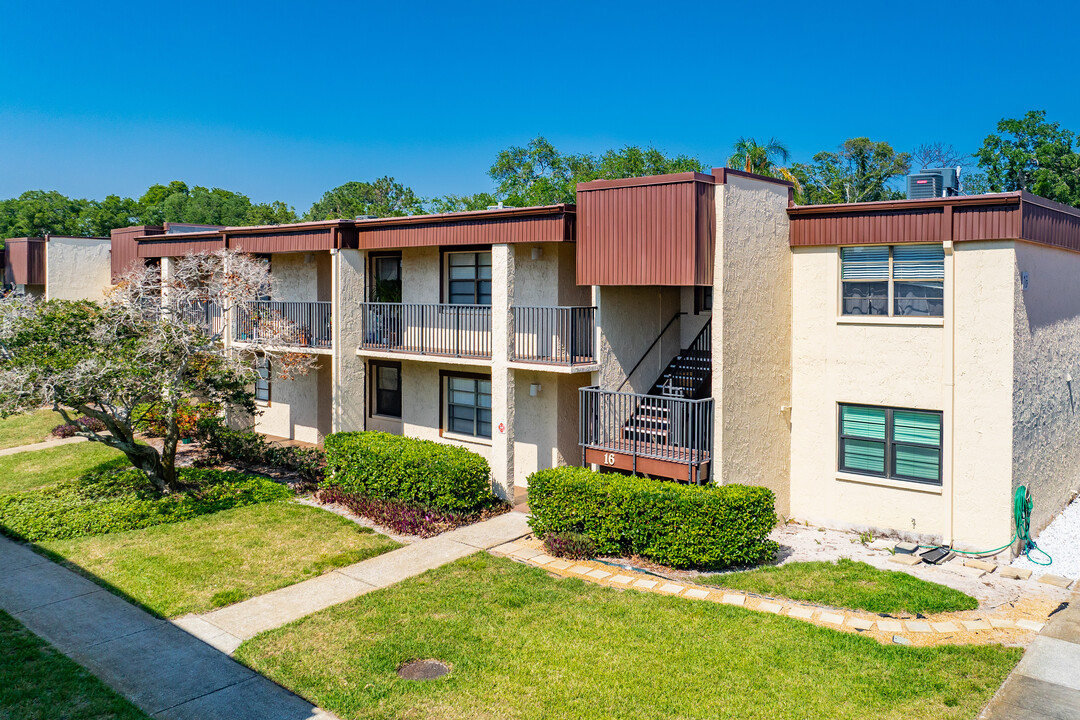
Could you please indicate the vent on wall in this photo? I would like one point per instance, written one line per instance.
(933, 183)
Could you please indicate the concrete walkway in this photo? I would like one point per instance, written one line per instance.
(42, 445)
(159, 667)
(1045, 685)
(226, 628)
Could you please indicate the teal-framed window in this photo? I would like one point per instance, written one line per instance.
(894, 443)
(893, 280)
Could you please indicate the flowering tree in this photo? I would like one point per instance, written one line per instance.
(153, 343)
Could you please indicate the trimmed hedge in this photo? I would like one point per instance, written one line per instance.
(107, 502)
(681, 526)
(391, 467)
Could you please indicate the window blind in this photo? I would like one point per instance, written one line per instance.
(864, 263)
(923, 262)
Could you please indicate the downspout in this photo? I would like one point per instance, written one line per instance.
(950, 375)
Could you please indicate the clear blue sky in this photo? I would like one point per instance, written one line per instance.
(285, 100)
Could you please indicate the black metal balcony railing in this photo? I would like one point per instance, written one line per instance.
(204, 314)
(552, 335)
(648, 426)
(288, 324)
(427, 329)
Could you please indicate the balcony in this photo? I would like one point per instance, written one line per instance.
(649, 434)
(552, 335)
(285, 324)
(460, 331)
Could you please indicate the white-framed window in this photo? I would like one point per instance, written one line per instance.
(262, 383)
(468, 278)
(468, 405)
(893, 280)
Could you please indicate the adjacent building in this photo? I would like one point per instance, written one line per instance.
(57, 267)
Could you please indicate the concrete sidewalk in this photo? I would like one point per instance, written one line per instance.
(226, 628)
(41, 445)
(1045, 685)
(159, 667)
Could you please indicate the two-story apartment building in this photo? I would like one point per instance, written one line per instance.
(898, 366)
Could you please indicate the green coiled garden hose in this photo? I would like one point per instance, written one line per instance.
(1022, 505)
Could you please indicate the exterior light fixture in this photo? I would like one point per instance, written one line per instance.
(534, 389)
(537, 253)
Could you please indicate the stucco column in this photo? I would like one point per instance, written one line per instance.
(349, 387)
(502, 377)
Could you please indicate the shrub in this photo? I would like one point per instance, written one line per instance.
(681, 526)
(83, 423)
(92, 424)
(65, 431)
(107, 502)
(419, 472)
(405, 518)
(244, 446)
(570, 545)
(188, 415)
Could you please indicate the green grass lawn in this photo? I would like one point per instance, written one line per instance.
(523, 644)
(39, 683)
(847, 584)
(221, 558)
(28, 428)
(29, 470)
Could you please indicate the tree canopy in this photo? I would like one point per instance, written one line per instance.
(47, 212)
(384, 197)
(860, 170)
(1033, 154)
(539, 174)
(133, 354)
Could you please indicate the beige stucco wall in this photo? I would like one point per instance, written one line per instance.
(848, 363)
(546, 433)
(961, 366)
(751, 336)
(299, 408)
(299, 277)
(349, 376)
(629, 320)
(421, 414)
(983, 338)
(1046, 388)
(420, 279)
(77, 268)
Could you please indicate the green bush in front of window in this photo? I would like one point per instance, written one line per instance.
(391, 467)
(682, 526)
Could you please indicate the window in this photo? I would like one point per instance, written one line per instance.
(468, 278)
(262, 384)
(468, 405)
(386, 278)
(702, 299)
(898, 280)
(386, 384)
(891, 443)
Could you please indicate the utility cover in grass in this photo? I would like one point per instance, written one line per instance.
(423, 670)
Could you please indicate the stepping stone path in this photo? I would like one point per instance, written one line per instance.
(965, 627)
(1015, 573)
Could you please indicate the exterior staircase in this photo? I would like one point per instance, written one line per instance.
(658, 420)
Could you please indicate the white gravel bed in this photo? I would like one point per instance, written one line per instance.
(1061, 539)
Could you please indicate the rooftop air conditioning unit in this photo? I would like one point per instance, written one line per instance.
(933, 183)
